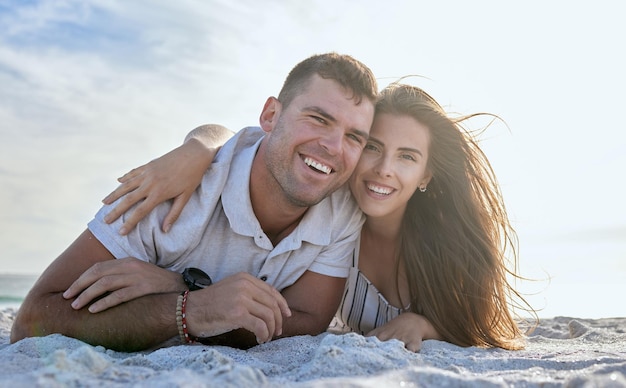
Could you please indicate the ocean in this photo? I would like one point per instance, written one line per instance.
(13, 289)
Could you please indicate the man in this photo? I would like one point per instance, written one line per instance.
(271, 214)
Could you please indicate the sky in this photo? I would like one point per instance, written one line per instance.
(91, 89)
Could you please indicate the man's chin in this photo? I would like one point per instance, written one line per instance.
(307, 199)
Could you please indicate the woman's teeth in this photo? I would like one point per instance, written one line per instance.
(380, 190)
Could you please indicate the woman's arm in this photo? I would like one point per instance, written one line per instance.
(174, 175)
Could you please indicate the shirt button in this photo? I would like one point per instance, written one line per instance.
(264, 277)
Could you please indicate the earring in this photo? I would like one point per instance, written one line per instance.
(423, 189)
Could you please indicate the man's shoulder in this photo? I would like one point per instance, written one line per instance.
(248, 136)
(242, 140)
(343, 203)
(237, 155)
(343, 194)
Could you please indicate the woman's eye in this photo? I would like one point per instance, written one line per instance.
(319, 119)
(408, 157)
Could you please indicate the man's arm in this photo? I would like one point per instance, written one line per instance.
(137, 324)
(313, 299)
(238, 301)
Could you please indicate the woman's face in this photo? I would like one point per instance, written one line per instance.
(392, 165)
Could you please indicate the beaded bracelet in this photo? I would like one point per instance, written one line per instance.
(181, 319)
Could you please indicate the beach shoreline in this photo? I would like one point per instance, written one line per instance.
(562, 351)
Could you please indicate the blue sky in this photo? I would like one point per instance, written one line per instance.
(90, 89)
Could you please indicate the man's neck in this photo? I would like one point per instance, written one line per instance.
(277, 232)
(276, 215)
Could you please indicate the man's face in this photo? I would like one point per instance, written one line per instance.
(317, 140)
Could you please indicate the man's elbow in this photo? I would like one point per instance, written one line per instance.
(320, 327)
(17, 333)
(28, 323)
(22, 327)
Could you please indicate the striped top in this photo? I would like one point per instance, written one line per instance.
(363, 308)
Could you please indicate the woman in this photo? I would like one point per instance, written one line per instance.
(430, 263)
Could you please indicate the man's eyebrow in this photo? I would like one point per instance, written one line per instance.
(320, 112)
(332, 119)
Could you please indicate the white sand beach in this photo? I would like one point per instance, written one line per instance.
(562, 351)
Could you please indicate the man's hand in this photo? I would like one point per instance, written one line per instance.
(240, 301)
(409, 328)
(120, 281)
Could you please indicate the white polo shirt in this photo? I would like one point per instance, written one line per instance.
(219, 233)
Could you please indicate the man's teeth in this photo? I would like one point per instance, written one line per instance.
(379, 190)
(318, 166)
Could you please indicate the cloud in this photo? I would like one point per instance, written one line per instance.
(91, 89)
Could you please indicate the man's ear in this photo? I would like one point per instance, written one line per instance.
(270, 114)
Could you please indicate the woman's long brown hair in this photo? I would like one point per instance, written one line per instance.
(456, 236)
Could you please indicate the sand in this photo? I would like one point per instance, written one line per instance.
(562, 351)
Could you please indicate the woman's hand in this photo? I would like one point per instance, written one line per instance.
(175, 175)
(409, 328)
